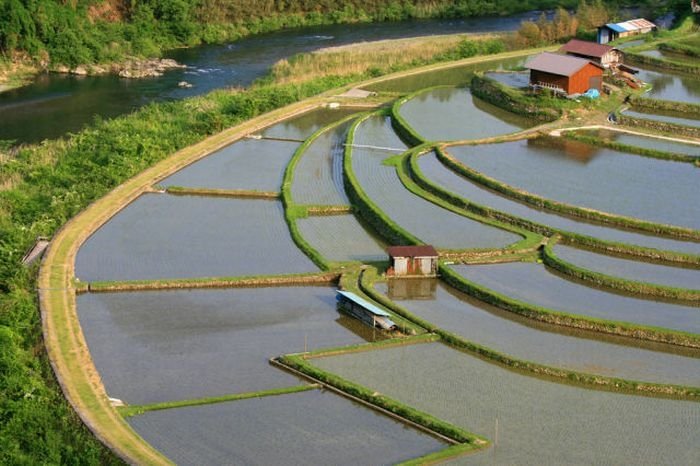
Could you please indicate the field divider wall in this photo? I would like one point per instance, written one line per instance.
(657, 125)
(638, 59)
(212, 192)
(511, 100)
(561, 207)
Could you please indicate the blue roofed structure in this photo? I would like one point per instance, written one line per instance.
(365, 311)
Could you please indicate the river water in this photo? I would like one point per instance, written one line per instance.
(55, 104)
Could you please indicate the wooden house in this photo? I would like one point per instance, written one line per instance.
(413, 261)
(364, 311)
(564, 73)
(611, 31)
(604, 55)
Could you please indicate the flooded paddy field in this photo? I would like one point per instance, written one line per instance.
(156, 346)
(538, 422)
(303, 126)
(447, 114)
(630, 269)
(165, 236)
(664, 117)
(454, 76)
(341, 238)
(516, 79)
(668, 86)
(314, 427)
(438, 173)
(429, 222)
(318, 176)
(499, 330)
(532, 283)
(583, 175)
(667, 55)
(644, 141)
(246, 164)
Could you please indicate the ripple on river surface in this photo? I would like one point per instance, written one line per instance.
(435, 171)
(165, 236)
(533, 283)
(313, 427)
(156, 346)
(539, 422)
(499, 330)
(583, 175)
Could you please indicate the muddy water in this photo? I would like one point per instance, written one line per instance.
(432, 224)
(341, 238)
(303, 126)
(318, 176)
(159, 346)
(246, 164)
(539, 422)
(453, 113)
(491, 327)
(441, 175)
(532, 283)
(668, 86)
(645, 142)
(666, 118)
(165, 236)
(455, 76)
(314, 427)
(629, 269)
(587, 176)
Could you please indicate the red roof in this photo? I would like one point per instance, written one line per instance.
(412, 251)
(561, 65)
(585, 48)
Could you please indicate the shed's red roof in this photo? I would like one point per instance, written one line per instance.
(585, 48)
(412, 251)
(562, 65)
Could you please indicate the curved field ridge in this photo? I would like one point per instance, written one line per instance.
(532, 283)
(427, 221)
(585, 176)
(433, 171)
(539, 422)
(341, 238)
(163, 236)
(493, 328)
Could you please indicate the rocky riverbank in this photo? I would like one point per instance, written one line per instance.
(132, 68)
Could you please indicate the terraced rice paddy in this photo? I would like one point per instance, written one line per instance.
(248, 164)
(445, 114)
(164, 236)
(532, 283)
(516, 79)
(538, 422)
(666, 118)
(597, 178)
(668, 86)
(644, 142)
(303, 126)
(156, 346)
(312, 427)
(382, 184)
(666, 55)
(318, 177)
(436, 172)
(632, 270)
(341, 238)
(520, 338)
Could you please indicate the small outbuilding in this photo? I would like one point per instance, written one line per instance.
(564, 73)
(365, 311)
(611, 31)
(413, 261)
(604, 55)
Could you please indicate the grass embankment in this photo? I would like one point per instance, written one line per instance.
(610, 282)
(545, 230)
(513, 100)
(600, 382)
(551, 316)
(212, 192)
(135, 410)
(663, 127)
(618, 146)
(405, 131)
(571, 210)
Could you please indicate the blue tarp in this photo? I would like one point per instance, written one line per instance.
(616, 27)
(592, 94)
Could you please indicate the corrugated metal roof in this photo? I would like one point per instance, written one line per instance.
(588, 49)
(631, 25)
(562, 65)
(615, 27)
(364, 303)
(423, 250)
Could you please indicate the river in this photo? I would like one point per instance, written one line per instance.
(56, 104)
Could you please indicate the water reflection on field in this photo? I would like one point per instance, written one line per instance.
(644, 141)
(341, 238)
